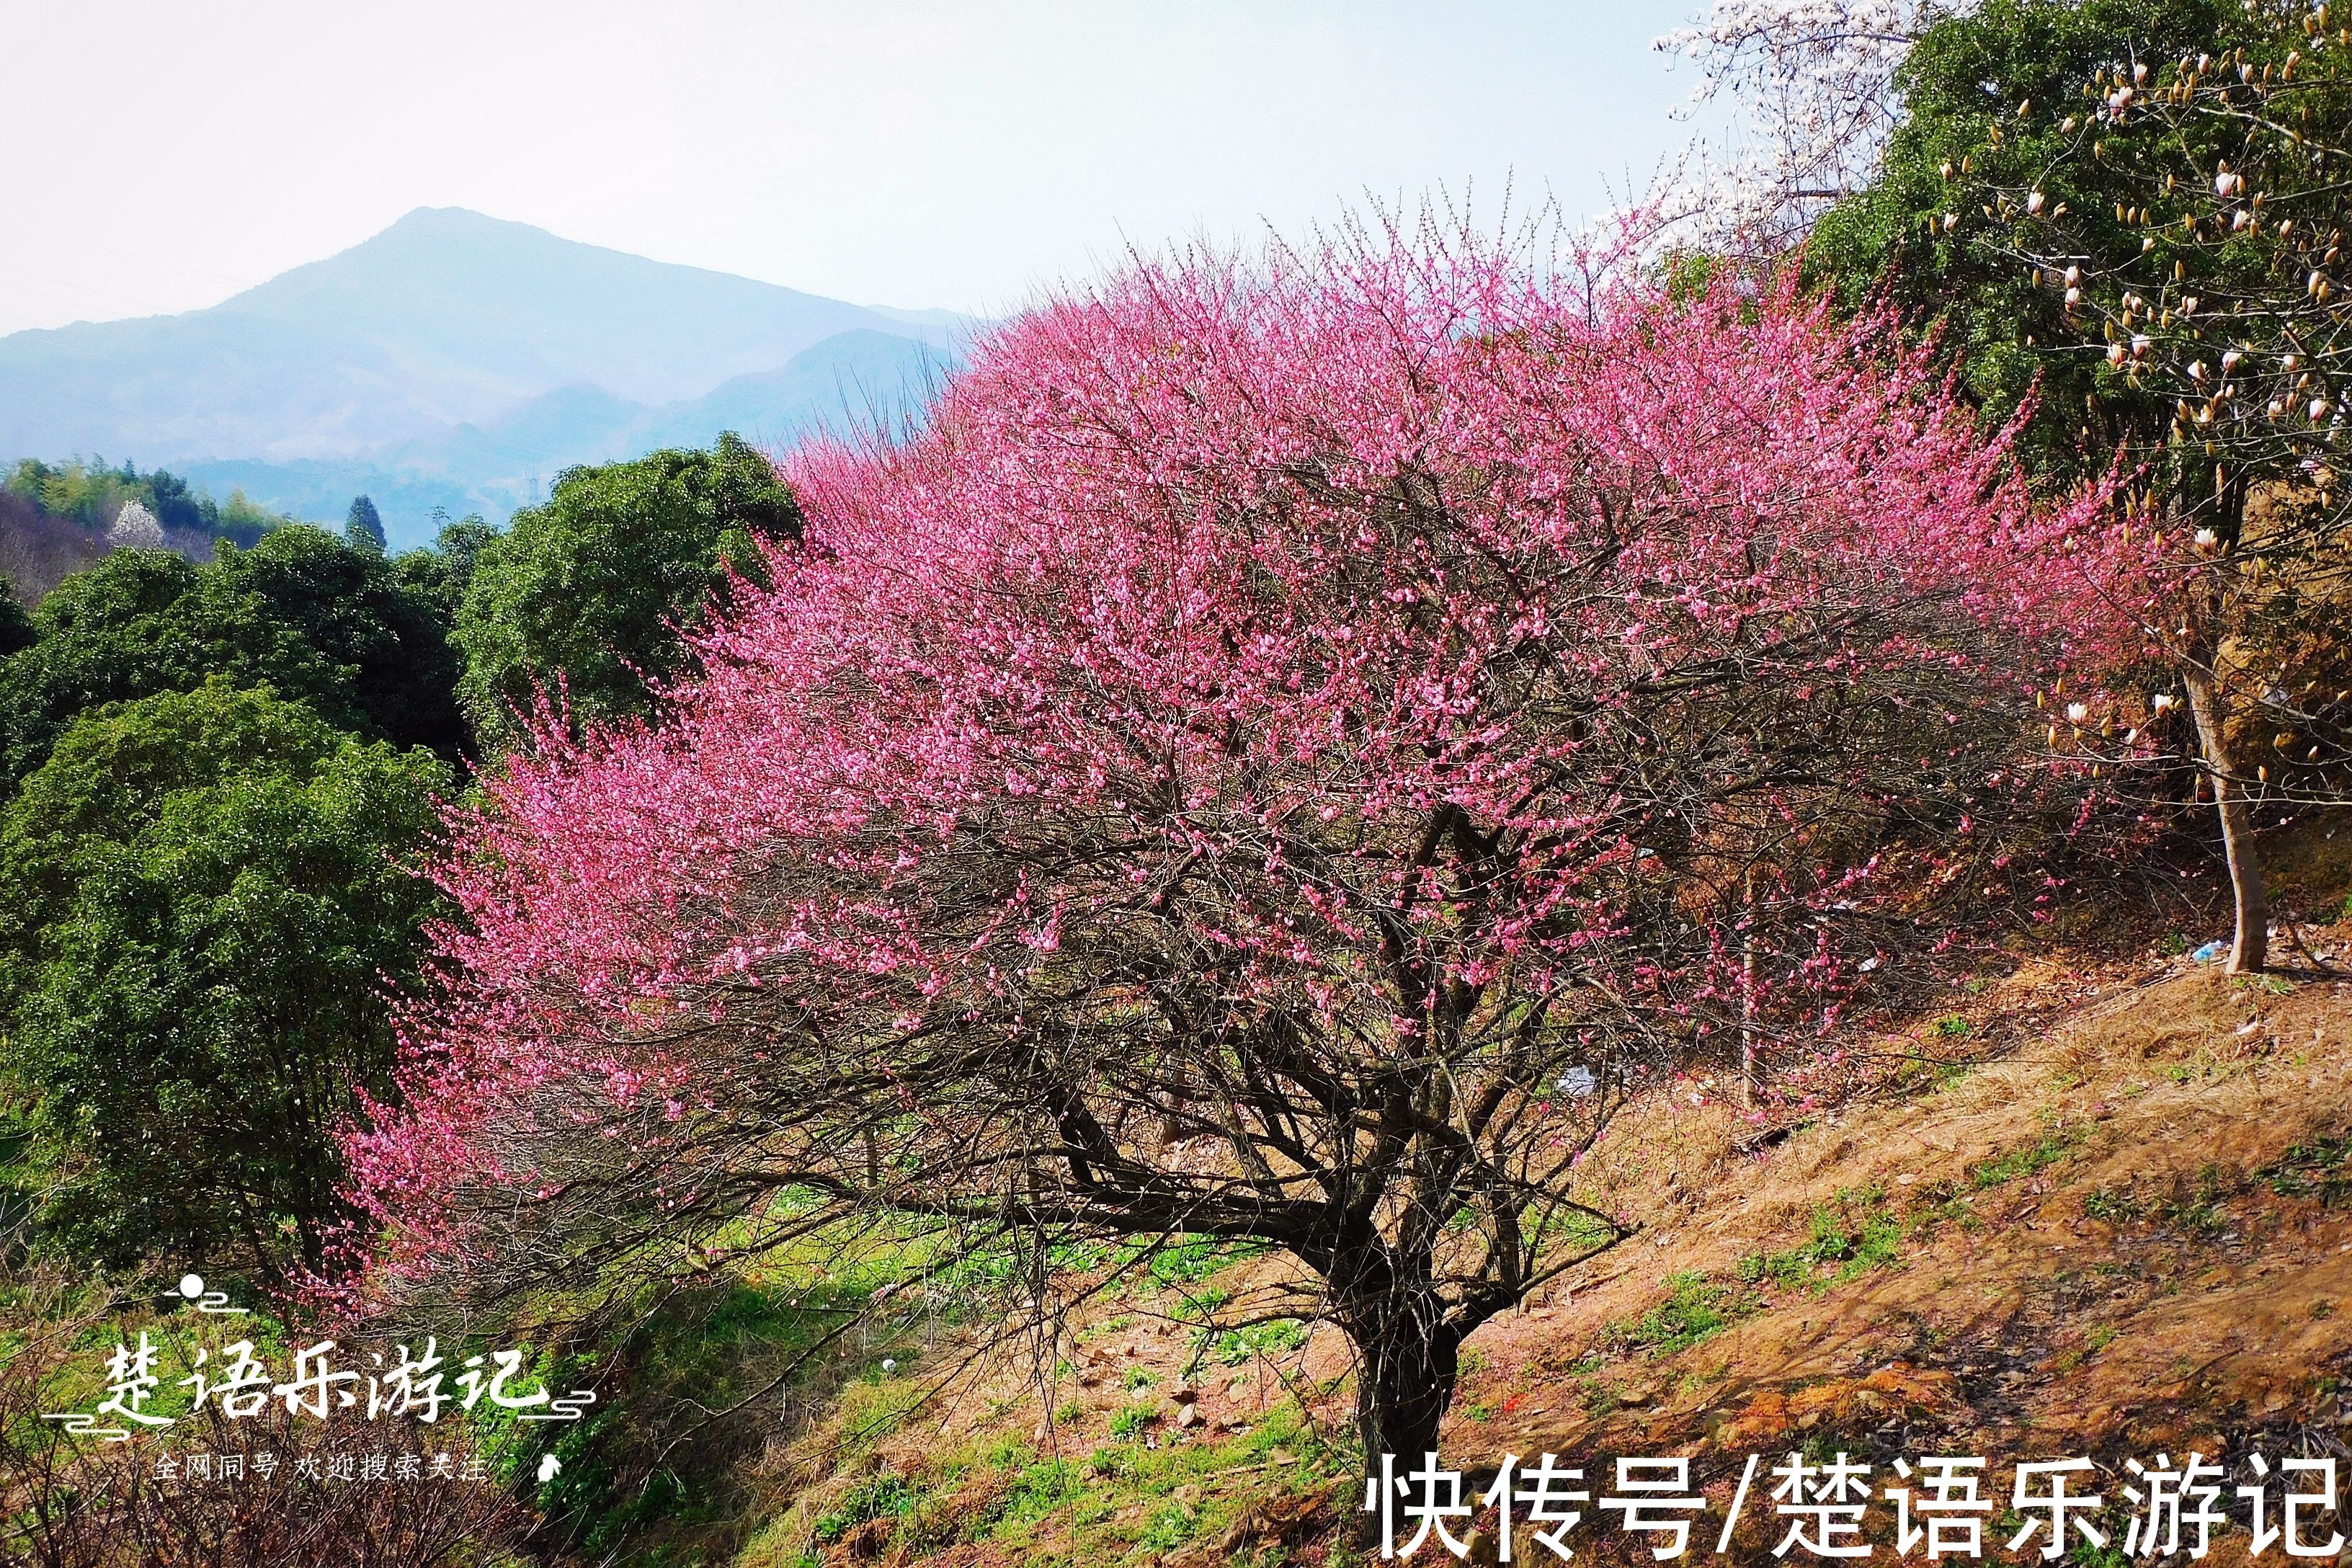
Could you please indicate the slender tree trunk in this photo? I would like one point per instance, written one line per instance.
(2250, 949)
(1750, 1074)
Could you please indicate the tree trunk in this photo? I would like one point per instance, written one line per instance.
(1750, 1067)
(2250, 949)
(1408, 1362)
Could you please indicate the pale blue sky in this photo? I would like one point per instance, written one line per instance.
(164, 155)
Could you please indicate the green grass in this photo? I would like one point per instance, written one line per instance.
(1130, 1502)
(2320, 1169)
(2026, 1159)
(1696, 1308)
(2197, 1211)
(1852, 1235)
(883, 1497)
(1239, 1346)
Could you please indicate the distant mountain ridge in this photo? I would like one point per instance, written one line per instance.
(851, 379)
(463, 358)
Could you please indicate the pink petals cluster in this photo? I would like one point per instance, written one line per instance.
(1325, 613)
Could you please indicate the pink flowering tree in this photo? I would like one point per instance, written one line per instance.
(1284, 754)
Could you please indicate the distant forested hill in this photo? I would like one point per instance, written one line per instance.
(56, 518)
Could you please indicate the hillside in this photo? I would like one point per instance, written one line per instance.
(2100, 1207)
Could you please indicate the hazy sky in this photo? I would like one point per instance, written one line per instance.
(160, 157)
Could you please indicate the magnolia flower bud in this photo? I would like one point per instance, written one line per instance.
(2074, 296)
(2033, 202)
(2197, 371)
(2115, 353)
(2206, 539)
(1952, 221)
(2141, 344)
(2073, 276)
(2076, 713)
(2224, 182)
(2230, 358)
(2163, 702)
(2318, 410)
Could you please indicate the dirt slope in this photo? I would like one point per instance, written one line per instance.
(2125, 1226)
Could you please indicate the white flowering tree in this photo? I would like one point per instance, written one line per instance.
(1809, 88)
(135, 527)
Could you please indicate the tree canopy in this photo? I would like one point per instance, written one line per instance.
(301, 612)
(1257, 710)
(1961, 87)
(592, 590)
(362, 526)
(2135, 210)
(441, 574)
(88, 494)
(201, 896)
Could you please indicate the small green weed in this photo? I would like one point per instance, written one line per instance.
(1694, 1308)
(1237, 1347)
(2115, 1205)
(2027, 1160)
(882, 1497)
(2321, 1169)
(2197, 1212)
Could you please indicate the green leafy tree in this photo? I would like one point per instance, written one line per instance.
(591, 589)
(2141, 205)
(1917, 237)
(301, 612)
(441, 574)
(362, 528)
(201, 895)
(15, 623)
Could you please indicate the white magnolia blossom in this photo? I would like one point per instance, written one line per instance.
(1810, 87)
(135, 527)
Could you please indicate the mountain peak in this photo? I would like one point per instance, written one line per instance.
(447, 317)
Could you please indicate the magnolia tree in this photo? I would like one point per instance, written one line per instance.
(134, 528)
(1285, 753)
(2173, 179)
(1807, 94)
